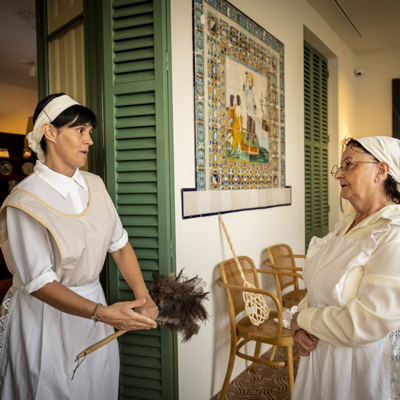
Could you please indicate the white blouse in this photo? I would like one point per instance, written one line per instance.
(371, 291)
(35, 253)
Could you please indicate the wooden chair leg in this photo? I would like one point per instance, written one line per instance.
(289, 354)
(229, 370)
(273, 352)
(256, 355)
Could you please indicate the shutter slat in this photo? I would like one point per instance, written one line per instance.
(316, 143)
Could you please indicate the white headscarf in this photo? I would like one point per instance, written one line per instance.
(387, 149)
(47, 115)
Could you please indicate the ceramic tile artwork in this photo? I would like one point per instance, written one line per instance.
(239, 100)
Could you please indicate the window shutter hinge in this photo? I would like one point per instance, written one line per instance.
(166, 61)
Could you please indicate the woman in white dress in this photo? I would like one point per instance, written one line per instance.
(347, 328)
(55, 230)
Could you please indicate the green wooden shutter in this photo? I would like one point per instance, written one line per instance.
(139, 178)
(316, 143)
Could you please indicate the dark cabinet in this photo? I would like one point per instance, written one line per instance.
(13, 166)
(13, 169)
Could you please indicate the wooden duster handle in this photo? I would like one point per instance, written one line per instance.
(99, 344)
(95, 347)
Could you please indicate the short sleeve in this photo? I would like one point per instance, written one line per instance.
(31, 250)
(120, 236)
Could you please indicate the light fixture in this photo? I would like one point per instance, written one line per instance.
(32, 67)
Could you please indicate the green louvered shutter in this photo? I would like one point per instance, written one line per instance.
(316, 143)
(139, 177)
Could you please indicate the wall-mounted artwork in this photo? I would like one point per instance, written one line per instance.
(239, 113)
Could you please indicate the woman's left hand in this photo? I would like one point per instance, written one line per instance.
(149, 309)
(304, 342)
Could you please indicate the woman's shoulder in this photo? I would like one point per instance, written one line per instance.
(90, 176)
(391, 213)
(93, 180)
(389, 229)
(28, 183)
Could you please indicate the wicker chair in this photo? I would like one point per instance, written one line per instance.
(281, 258)
(242, 330)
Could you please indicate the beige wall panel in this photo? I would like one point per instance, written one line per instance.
(17, 104)
(61, 11)
(67, 64)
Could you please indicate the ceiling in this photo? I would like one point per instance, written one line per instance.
(17, 43)
(376, 21)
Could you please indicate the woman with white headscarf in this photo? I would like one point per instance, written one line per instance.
(55, 230)
(348, 326)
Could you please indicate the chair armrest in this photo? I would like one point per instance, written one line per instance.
(276, 266)
(265, 271)
(299, 256)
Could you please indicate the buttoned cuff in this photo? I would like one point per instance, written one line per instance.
(39, 282)
(120, 243)
(304, 318)
(303, 303)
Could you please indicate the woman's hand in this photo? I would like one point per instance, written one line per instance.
(304, 342)
(122, 316)
(148, 309)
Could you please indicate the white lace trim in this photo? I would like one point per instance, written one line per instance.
(5, 313)
(367, 249)
(392, 363)
(316, 243)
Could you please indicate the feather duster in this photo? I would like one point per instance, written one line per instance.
(180, 308)
(180, 303)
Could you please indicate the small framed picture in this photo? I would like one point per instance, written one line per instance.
(4, 152)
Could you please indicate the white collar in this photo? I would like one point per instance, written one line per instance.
(61, 183)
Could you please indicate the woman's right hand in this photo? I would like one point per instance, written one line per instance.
(304, 342)
(122, 316)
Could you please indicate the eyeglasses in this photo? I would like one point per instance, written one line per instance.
(345, 165)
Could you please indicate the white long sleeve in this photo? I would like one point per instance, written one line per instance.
(373, 312)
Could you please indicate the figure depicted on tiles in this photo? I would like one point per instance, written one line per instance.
(239, 100)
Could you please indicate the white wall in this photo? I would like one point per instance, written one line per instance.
(201, 245)
(17, 104)
(374, 93)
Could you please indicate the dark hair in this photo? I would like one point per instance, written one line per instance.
(390, 184)
(75, 115)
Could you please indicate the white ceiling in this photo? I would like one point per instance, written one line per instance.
(17, 42)
(378, 22)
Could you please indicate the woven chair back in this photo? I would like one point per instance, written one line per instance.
(282, 254)
(230, 274)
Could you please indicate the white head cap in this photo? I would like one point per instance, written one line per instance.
(49, 113)
(385, 148)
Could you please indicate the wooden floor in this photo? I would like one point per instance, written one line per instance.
(265, 382)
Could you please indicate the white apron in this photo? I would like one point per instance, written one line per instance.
(344, 373)
(39, 344)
